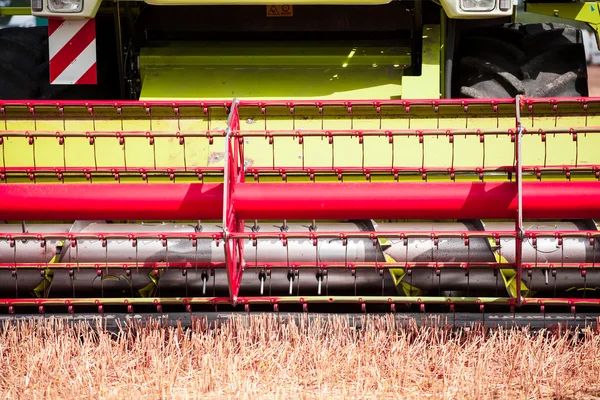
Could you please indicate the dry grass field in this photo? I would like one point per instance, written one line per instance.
(261, 358)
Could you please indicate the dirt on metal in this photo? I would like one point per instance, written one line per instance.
(260, 357)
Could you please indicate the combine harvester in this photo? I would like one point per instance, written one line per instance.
(374, 156)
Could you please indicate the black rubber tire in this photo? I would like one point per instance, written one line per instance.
(24, 66)
(21, 54)
(537, 60)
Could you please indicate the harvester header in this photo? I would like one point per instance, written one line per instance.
(373, 155)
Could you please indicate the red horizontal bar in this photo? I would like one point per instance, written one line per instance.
(101, 265)
(420, 200)
(266, 103)
(113, 235)
(278, 133)
(52, 202)
(190, 201)
(115, 265)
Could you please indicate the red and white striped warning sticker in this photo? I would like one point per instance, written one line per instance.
(72, 45)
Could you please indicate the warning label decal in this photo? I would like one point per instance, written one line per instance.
(283, 10)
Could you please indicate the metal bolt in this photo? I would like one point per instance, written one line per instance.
(262, 277)
(204, 279)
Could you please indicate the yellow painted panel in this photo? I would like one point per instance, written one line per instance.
(191, 83)
(336, 118)
(287, 151)
(196, 152)
(192, 118)
(309, 118)
(258, 152)
(499, 151)
(533, 150)
(589, 148)
(408, 152)
(394, 118)
(277, 118)
(344, 151)
(271, 54)
(79, 153)
(364, 118)
(109, 153)
(136, 119)
(318, 152)
(284, 151)
(80, 120)
(468, 152)
(561, 149)
(18, 152)
(423, 122)
(169, 153)
(19, 124)
(216, 121)
(377, 151)
(48, 152)
(427, 85)
(347, 151)
(139, 153)
(216, 153)
(438, 151)
(49, 125)
(217, 118)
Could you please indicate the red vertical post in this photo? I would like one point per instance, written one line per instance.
(520, 233)
(237, 143)
(233, 174)
(238, 146)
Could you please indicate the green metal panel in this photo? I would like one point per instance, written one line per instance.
(267, 70)
(275, 54)
(9, 11)
(284, 70)
(427, 85)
